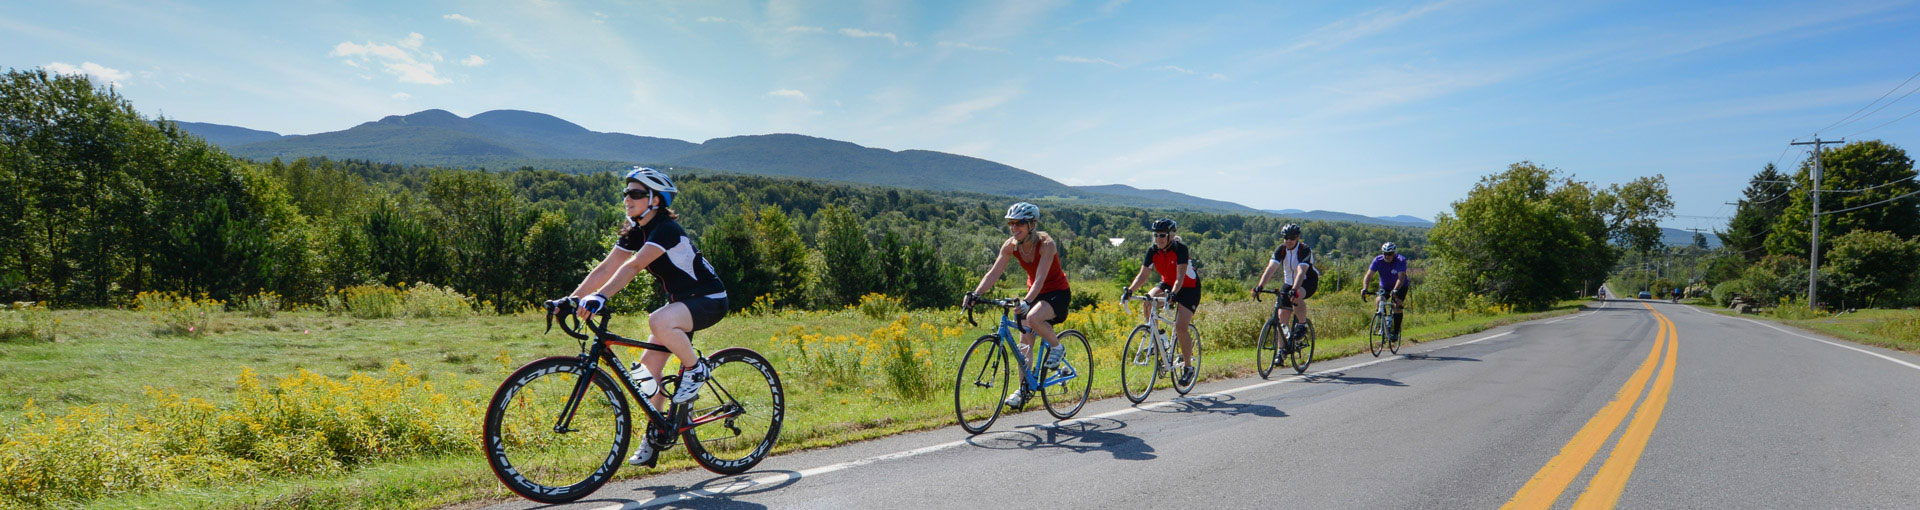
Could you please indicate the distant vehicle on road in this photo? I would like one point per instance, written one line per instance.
(1646, 295)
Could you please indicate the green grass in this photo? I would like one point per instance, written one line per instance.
(109, 357)
(1893, 329)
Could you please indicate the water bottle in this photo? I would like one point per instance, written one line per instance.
(643, 380)
(1025, 353)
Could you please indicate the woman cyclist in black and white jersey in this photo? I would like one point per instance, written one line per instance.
(1299, 278)
(697, 299)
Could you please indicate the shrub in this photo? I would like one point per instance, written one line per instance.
(34, 323)
(177, 314)
(264, 304)
(371, 301)
(880, 306)
(426, 301)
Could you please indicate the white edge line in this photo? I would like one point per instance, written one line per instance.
(785, 477)
(1835, 344)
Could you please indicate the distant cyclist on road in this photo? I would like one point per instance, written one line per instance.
(1045, 303)
(697, 299)
(1299, 277)
(1393, 278)
(1169, 257)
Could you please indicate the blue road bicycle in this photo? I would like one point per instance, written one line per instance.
(986, 372)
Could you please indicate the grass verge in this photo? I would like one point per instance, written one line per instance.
(1893, 329)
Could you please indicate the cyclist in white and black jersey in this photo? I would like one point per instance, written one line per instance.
(1299, 278)
(697, 298)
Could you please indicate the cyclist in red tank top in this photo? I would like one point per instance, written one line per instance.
(1169, 257)
(1044, 305)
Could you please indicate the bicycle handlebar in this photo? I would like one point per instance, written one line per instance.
(1257, 293)
(1003, 303)
(565, 311)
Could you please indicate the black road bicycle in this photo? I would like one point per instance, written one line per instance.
(1383, 333)
(559, 427)
(1268, 350)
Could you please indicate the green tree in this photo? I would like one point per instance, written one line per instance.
(1870, 268)
(850, 268)
(785, 258)
(1528, 237)
(1856, 175)
(1760, 206)
(733, 245)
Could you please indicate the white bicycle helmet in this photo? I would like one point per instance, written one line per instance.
(654, 180)
(1023, 211)
(1388, 248)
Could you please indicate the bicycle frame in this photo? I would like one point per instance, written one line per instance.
(597, 350)
(1160, 341)
(1029, 372)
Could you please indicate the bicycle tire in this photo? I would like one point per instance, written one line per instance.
(1193, 333)
(1139, 357)
(743, 387)
(986, 361)
(1303, 350)
(1065, 399)
(535, 461)
(1266, 347)
(1376, 335)
(1393, 340)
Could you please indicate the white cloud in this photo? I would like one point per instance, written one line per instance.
(1176, 69)
(1112, 6)
(795, 94)
(965, 46)
(460, 18)
(1084, 60)
(473, 61)
(112, 76)
(402, 96)
(862, 34)
(1217, 76)
(403, 60)
(711, 19)
(807, 29)
(963, 111)
(1372, 22)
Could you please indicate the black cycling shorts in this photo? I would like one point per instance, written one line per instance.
(1401, 294)
(1059, 300)
(706, 311)
(1309, 287)
(1188, 297)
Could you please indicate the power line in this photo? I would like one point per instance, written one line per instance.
(1838, 123)
(1911, 193)
(1909, 114)
(1882, 185)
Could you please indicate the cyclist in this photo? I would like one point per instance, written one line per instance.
(1393, 278)
(1169, 257)
(1299, 278)
(1045, 303)
(697, 299)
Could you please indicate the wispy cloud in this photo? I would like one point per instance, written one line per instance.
(1366, 24)
(98, 72)
(403, 59)
(806, 29)
(956, 113)
(974, 47)
(862, 34)
(789, 93)
(1112, 6)
(1084, 60)
(473, 61)
(460, 18)
(402, 96)
(711, 19)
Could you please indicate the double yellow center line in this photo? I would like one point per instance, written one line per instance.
(1604, 489)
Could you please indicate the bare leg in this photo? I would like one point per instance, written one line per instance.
(669, 326)
(1182, 316)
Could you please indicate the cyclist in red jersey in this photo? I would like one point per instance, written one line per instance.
(1045, 304)
(1169, 257)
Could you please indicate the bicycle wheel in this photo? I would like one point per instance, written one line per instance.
(536, 459)
(1393, 335)
(1266, 348)
(1302, 354)
(1193, 332)
(743, 407)
(1376, 335)
(1139, 364)
(1065, 389)
(980, 384)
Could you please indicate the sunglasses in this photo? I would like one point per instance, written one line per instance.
(637, 194)
(1161, 234)
(1017, 223)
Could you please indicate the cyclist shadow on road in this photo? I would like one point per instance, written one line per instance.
(1430, 357)
(1343, 378)
(1097, 435)
(717, 492)
(1219, 404)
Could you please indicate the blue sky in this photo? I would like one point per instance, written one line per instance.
(1379, 109)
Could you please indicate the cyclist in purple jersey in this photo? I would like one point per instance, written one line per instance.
(1393, 277)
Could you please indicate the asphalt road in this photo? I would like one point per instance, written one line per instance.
(1712, 412)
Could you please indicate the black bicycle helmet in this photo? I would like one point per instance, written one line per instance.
(1291, 231)
(1164, 225)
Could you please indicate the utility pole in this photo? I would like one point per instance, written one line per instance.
(1813, 254)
